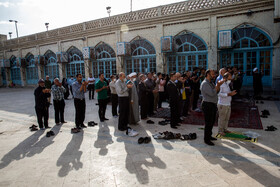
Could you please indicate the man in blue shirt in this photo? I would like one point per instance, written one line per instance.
(79, 88)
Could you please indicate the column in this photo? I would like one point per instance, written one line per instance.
(119, 59)
(87, 68)
(159, 55)
(213, 48)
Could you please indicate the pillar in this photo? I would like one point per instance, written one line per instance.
(213, 48)
(159, 55)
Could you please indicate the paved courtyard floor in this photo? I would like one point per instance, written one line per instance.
(104, 156)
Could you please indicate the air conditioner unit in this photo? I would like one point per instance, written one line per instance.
(224, 39)
(123, 49)
(166, 44)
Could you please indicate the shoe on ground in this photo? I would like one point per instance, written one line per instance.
(209, 143)
(212, 138)
(130, 132)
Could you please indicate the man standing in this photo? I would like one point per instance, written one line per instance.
(91, 82)
(79, 88)
(114, 96)
(48, 85)
(224, 104)
(150, 84)
(174, 98)
(101, 88)
(209, 104)
(58, 101)
(122, 91)
(41, 104)
(143, 97)
(133, 96)
(257, 83)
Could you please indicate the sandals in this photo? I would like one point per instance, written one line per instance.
(150, 122)
(144, 140)
(50, 133)
(33, 128)
(92, 124)
(270, 128)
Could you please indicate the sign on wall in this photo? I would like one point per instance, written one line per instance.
(123, 49)
(166, 44)
(224, 39)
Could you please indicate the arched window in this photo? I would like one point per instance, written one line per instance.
(252, 48)
(15, 71)
(31, 69)
(190, 52)
(51, 68)
(105, 60)
(143, 57)
(76, 64)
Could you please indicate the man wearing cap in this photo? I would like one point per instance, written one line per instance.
(58, 101)
(42, 104)
(257, 83)
(79, 88)
(133, 96)
(101, 88)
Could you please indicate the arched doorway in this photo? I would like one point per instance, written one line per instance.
(252, 48)
(76, 62)
(143, 57)
(190, 52)
(31, 70)
(15, 71)
(105, 61)
(51, 68)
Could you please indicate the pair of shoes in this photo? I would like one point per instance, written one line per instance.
(191, 136)
(75, 130)
(130, 132)
(92, 124)
(265, 112)
(33, 128)
(144, 140)
(209, 143)
(50, 133)
(270, 128)
(83, 126)
(158, 136)
(150, 122)
(212, 138)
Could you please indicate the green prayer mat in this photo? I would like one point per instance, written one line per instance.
(237, 136)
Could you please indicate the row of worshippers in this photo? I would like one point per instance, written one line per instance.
(127, 95)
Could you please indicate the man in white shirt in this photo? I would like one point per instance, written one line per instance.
(224, 104)
(91, 82)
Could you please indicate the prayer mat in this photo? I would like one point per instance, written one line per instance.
(237, 136)
(244, 114)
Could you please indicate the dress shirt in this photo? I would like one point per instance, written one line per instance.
(76, 90)
(223, 98)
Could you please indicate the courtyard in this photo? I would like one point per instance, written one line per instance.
(103, 156)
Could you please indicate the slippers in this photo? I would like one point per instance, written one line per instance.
(150, 122)
(34, 129)
(270, 128)
(33, 126)
(50, 133)
(92, 124)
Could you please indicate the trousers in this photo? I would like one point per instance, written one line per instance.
(80, 107)
(210, 110)
(42, 113)
(124, 113)
(59, 110)
(102, 103)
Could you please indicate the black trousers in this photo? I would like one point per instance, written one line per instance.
(114, 100)
(80, 107)
(124, 113)
(150, 103)
(143, 107)
(175, 115)
(195, 99)
(185, 106)
(59, 110)
(102, 103)
(91, 91)
(42, 113)
(161, 98)
(209, 109)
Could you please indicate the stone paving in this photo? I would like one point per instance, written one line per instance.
(104, 156)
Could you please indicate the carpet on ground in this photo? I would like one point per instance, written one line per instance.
(244, 114)
(237, 136)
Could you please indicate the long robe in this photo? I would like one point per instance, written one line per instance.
(134, 105)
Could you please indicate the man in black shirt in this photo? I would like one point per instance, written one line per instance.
(42, 104)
